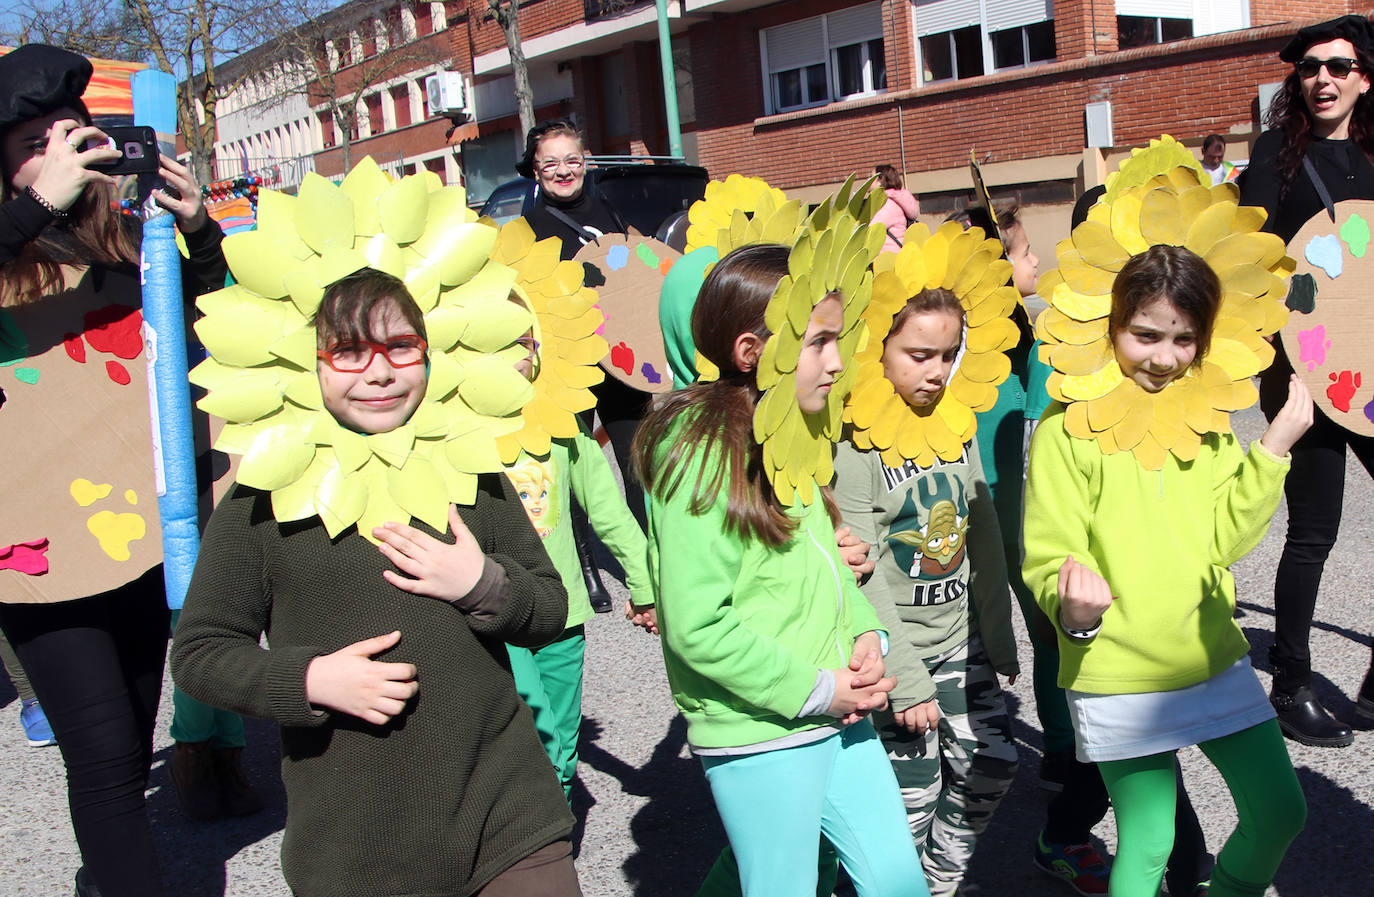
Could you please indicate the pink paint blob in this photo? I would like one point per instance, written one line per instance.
(1312, 346)
(29, 558)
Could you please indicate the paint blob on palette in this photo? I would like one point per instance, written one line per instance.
(1329, 337)
(633, 267)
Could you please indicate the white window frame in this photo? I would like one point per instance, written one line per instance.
(827, 55)
(1025, 49)
(986, 15)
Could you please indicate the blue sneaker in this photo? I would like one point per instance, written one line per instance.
(1079, 866)
(35, 723)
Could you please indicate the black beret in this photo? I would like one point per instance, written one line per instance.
(1355, 29)
(35, 79)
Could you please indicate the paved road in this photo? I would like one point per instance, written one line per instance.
(650, 829)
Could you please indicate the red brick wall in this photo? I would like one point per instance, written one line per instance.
(536, 17)
(1084, 28)
(1015, 115)
(1270, 12)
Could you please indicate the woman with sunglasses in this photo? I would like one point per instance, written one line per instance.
(556, 157)
(1319, 151)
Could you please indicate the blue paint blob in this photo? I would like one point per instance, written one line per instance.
(1325, 252)
(618, 257)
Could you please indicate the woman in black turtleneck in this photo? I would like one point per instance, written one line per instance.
(556, 156)
(1321, 142)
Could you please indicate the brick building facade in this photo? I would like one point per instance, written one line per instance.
(804, 92)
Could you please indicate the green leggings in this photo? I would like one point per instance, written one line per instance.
(1269, 802)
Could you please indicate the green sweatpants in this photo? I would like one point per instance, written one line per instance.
(1269, 803)
(550, 681)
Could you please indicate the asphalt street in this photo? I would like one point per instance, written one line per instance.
(648, 825)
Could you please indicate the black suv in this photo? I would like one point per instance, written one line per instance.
(645, 193)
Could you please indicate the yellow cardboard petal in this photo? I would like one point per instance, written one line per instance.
(1076, 420)
(382, 253)
(1082, 307)
(350, 449)
(1098, 247)
(1161, 218)
(254, 394)
(456, 252)
(324, 215)
(238, 339)
(1078, 361)
(1092, 386)
(419, 490)
(403, 208)
(340, 500)
(276, 456)
(1210, 227)
(362, 185)
(393, 446)
(298, 347)
(296, 500)
(474, 453)
(259, 262)
(492, 387)
(382, 508)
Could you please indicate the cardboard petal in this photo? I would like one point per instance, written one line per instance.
(340, 500)
(276, 457)
(402, 209)
(324, 215)
(419, 490)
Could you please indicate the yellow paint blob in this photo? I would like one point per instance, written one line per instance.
(116, 531)
(87, 493)
(131, 496)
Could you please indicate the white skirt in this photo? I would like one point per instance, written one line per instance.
(1120, 727)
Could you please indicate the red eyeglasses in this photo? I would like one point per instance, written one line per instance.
(353, 358)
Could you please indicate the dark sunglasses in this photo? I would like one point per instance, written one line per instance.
(1338, 66)
(353, 358)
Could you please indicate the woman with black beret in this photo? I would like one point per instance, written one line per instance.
(84, 608)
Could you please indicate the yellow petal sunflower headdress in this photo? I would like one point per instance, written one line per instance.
(970, 265)
(743, 211)
(834, 252)
(566, 324)
(1159, 198)
(739, 211)
(261, 373)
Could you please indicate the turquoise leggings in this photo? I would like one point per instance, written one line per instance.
(1269, 802)
(776, 804)
(550, 681)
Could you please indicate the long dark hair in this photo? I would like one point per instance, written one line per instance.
(1288, 113)
(93, 234)
(732, 301)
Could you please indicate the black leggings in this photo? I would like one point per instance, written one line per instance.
(96, 667)
(1314, 488)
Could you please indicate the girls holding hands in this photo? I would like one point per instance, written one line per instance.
(1130, 559)
(914, 488)
(355, 632)
(773, 654)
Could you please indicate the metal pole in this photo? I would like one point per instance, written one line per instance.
(665, 57)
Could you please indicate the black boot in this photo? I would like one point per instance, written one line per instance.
(1364, 704)
(1303, 719)
(1301, 716)
(596, 590)
(85, 885)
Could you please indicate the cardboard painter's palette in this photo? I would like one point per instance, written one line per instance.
(633, 268)
(1329, 336)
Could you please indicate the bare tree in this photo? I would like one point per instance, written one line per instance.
(188, 38)
(340, 60)
(507, 15)
(90, 27)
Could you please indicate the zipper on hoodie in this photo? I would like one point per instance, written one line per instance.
(839, 595)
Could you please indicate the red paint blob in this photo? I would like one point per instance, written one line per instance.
(115, 329)
(118, 373)
(1342, 389)
(75, 347)
(623, 357)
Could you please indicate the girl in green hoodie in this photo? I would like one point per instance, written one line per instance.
(773, 655)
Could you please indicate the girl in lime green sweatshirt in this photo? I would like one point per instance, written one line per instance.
(1130, 562)
(773, 654)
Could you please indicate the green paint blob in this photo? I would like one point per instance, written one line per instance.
(1355, 233)
(14, 346)
(646, 255)
(26, 375)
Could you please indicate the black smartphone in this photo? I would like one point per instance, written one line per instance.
(137, 147)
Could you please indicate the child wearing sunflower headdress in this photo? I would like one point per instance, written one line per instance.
(389, 790)
(773, 654)
(1127, 544)
(909, 480)
(549, 678)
